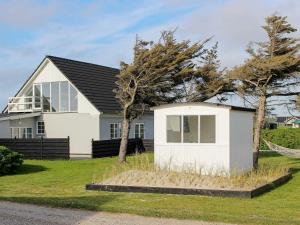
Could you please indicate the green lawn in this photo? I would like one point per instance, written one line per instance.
(61, 183)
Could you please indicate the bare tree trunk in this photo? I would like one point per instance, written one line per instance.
(259, 123)
(124, 140)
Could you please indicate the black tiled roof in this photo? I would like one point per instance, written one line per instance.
(281, 119)
(284, 119)
(95, 82)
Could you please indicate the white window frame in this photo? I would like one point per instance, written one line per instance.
(59, 96)
(117, 130)
(37, 128)
(139, 130)
(19, 132)
(41, 99)
(199, 130)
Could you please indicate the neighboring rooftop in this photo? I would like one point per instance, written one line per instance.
(284, 119)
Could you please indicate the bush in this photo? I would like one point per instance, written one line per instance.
(9, 161)
(285, 137)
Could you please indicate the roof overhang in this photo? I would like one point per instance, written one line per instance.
(19, 116)
(209, 104)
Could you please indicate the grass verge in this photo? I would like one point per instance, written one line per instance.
(62, 184)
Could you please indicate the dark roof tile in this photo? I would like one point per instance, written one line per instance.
(95, 82)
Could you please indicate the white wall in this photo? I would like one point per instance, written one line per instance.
(212, 157)
(106, 120)
(50, 73)
(4, 129)
(80, 127)
(241, 140)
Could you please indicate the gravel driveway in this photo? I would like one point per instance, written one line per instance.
(24, 214)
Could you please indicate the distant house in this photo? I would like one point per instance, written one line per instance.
(296, 123)
(65, 98)
(288, 121)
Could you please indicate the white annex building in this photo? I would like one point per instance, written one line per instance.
(203, 137)
(66, 98)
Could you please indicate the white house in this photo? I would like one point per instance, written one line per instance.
(288, 121)
(69, 98)
(203, 137)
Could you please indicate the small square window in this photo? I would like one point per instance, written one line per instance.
(115, 130)
(40, 128)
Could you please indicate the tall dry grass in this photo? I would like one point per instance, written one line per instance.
(140, 171)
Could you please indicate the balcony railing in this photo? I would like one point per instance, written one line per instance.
(24, 104)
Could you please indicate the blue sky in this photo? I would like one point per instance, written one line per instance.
(103, 31)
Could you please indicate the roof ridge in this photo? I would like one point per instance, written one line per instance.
(51, 56)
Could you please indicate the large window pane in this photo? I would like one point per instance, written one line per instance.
(46, 97)
(55, 96)
(37, 96)
(28, 99)
(207, 129)
(174, 129)
(73, 99)
(190, 129)
(64, 96)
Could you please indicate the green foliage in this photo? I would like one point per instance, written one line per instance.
(285, 137)
(9, 161)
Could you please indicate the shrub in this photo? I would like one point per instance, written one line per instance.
(9, 161)
(285, 137)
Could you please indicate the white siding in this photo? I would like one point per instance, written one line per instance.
(106, 120)
(212, 157)
(48, 73)
(241, 140)
(80, 127)
(4, 129)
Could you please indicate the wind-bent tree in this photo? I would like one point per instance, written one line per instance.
(208, 79)
(153, 77)
(271, 70)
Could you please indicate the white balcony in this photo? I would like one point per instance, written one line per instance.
(23, 104)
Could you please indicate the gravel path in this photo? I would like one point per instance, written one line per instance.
(24, 214)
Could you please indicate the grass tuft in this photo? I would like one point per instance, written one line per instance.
(140, 171)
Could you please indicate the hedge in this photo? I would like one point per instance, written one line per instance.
(285, 137)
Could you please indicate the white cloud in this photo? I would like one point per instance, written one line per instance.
(235, 23)
(26, 13)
